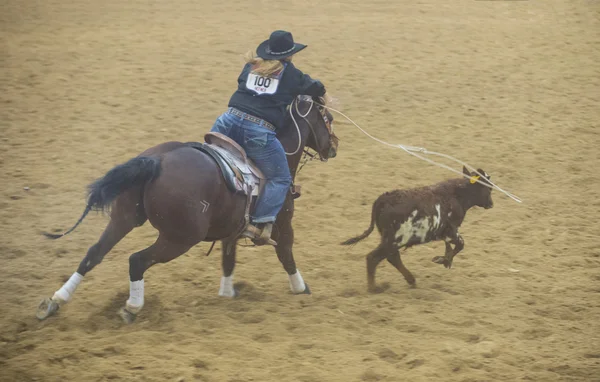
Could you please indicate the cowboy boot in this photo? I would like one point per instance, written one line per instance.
(260, 236)
(265, 235)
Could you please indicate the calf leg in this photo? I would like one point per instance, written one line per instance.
(394, 259)
(448, 257)
(459, 244)
(373, 260)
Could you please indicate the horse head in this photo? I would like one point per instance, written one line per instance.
(322, 138)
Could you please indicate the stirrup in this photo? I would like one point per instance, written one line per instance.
(258, 236)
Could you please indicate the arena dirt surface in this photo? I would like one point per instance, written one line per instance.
(509, 86)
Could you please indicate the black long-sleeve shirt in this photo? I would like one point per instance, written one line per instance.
(268, 97)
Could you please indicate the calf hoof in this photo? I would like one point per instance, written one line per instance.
(127, 316)
(46, 309)
(375, 289)
(439, 260)
(442, 260)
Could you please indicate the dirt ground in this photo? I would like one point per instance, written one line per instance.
(509, 86)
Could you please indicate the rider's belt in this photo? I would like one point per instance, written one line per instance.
(251, 118)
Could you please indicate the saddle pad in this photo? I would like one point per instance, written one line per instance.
(249, 174)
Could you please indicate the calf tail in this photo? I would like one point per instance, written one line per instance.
(374, 213)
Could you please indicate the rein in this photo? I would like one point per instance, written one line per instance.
(295, 104)
(312, 129)
(307, 158)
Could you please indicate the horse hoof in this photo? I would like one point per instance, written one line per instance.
(306, 289)
(127, 316)
(235, 294)
(47, 308)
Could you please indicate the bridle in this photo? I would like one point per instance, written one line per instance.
(326, 120)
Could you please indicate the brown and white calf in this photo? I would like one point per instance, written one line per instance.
(415, 216)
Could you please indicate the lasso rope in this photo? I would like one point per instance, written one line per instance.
(412, 150)
(296, 124)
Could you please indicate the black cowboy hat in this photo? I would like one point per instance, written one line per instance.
(279, 46)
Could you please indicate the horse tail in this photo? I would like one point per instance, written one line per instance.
(374, 213)
(101, 193)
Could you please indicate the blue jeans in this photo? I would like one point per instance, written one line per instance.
(265, 150)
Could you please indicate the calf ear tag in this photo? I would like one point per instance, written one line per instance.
(474, 179)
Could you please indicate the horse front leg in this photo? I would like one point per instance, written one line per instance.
(284, 236)
(228, 265)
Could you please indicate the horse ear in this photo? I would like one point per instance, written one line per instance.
(465, 171)
(485, 174)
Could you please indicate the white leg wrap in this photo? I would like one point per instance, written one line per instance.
(136, 296)
(296, 282)
(226, 289)
(64, 294)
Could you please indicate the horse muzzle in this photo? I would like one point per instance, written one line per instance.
(332, 153)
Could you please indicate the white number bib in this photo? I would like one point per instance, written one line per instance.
(262, 84)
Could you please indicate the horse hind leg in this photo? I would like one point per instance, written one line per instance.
(162, 251)
(122, 222)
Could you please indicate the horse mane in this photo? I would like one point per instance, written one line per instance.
(307, 98)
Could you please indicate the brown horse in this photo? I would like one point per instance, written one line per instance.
(183, 192)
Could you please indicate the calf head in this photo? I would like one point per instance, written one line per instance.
(479, 194)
